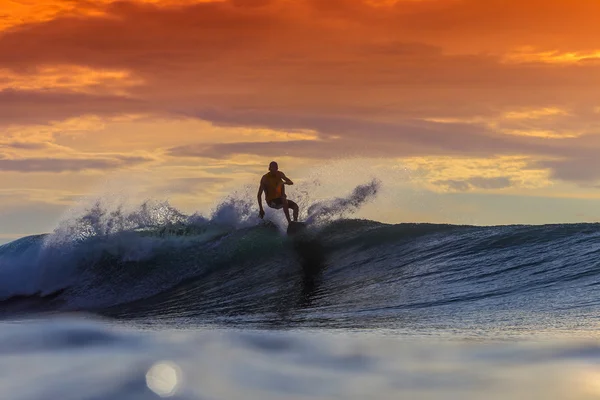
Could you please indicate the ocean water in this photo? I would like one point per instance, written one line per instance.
(149, 303)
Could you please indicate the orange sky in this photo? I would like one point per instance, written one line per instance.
(481, 98)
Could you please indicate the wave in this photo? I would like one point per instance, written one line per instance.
(157, 262)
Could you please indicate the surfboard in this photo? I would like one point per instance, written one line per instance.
(295, 228)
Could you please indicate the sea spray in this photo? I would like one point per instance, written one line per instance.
(343, 206)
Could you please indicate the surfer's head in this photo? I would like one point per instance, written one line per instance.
(273, 167)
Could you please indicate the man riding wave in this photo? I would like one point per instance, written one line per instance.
(272, 183)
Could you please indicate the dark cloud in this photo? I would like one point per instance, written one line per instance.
(25, 145)
(581, 169)
(476, 183)
(490, 183)
(67, 165)
(298, 148)
(431, 134)
(459, 186)
(33, 107)
(250, 3)
(345, 136)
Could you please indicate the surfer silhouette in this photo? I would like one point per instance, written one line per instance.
(272, 183)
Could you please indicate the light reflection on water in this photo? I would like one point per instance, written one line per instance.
(164, 378)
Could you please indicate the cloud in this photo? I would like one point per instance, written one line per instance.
(549, 122)
(251, 3)
(535, 114)
(69, 78)
(582, 169)
(24, 145)
(490, 183)
(553, 57)
(460, 186)
(33, 107)
(68, 165)
(443, 173)
(376, 135)
(355, 136)
(294, 148)
(478, 182)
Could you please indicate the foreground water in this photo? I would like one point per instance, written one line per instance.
(79, 358)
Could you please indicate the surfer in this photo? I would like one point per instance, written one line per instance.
(272, 183)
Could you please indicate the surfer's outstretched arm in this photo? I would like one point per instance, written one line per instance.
(261, 213)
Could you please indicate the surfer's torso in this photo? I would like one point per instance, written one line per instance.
(273, 186)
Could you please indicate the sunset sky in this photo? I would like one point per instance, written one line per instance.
(468, 111)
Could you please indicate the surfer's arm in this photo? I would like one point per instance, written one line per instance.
(259, 197)
(261, 189)
(287, 180)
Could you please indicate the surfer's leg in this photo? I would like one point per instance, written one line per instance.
(286, 210)
(294, 207)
